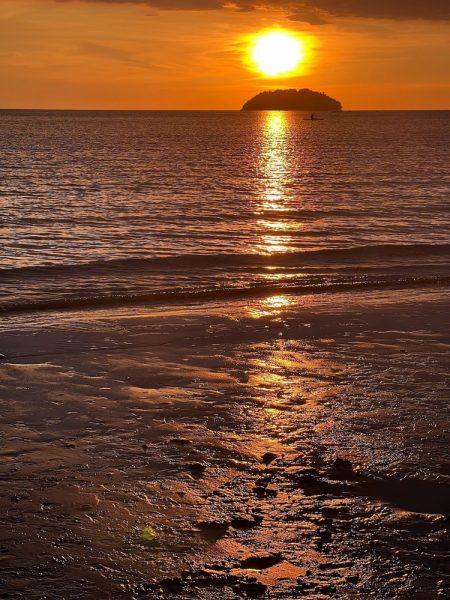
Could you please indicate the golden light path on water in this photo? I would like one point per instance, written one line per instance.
(278, 370)
(274, 205)
(274, 167)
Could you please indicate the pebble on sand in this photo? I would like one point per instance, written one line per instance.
(264, 561)
(342, 464)
(268, 457)
(196, 468)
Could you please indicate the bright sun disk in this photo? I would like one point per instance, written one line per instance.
(277, 52)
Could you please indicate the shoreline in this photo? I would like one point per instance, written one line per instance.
(267, 446)
(222, 294)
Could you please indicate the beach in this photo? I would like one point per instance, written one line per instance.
(278, 446)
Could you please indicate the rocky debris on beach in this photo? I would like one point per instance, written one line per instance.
(268, 457)
(197, 469)
(252, 588)
(302, 475)
(180, 441)
(277, 491)
(245, 521)
(262, 561)
(263, 491)
(242, 511)
(342, 464)
(209, 577)
(213, 528)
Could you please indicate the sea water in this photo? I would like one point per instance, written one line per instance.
(103, 207)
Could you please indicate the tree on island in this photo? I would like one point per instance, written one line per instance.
(292, 100)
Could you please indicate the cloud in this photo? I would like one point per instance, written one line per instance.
(172, 4)
(315, 11)
(309, 15)
(108, 52)
(434, 10)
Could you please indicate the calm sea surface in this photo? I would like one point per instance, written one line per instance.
(105, 206)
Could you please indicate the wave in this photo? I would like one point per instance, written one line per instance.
(223, 293)
(379, 253)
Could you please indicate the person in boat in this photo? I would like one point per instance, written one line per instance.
(313, 116)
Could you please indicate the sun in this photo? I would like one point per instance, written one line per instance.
(277, 53)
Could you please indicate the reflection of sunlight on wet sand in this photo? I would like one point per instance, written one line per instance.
(271, 306)
(287, 378)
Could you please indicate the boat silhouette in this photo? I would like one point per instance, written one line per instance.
(313, 118)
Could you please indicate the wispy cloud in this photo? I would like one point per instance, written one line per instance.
(109, 52)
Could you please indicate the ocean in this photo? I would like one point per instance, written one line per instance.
(102, 207)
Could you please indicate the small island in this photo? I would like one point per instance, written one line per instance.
(293, 100)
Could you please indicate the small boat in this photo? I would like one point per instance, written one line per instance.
(313, 118)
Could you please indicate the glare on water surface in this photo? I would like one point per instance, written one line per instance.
(275, 165)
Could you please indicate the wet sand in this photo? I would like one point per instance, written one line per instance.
(284, 447)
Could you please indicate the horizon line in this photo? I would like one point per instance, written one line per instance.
(222, 110)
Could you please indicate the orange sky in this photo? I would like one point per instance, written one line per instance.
(138, 55)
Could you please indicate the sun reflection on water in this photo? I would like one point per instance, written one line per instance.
(278, 225)
(275, 166)
(274, 161)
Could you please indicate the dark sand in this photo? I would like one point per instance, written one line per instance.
(284, 447)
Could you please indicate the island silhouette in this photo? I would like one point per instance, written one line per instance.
(304, 99)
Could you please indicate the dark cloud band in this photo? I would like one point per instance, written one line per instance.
(384, 9)
(317, 11)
